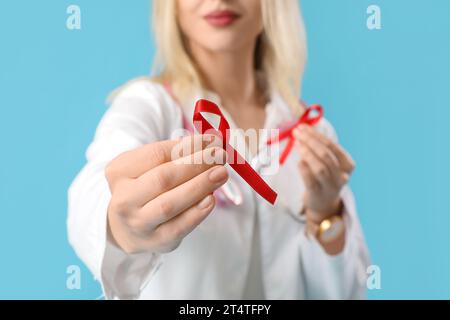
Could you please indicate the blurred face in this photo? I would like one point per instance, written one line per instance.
(220, 25)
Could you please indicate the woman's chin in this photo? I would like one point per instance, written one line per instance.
(223, 44)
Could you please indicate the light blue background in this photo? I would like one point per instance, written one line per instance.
(387, 92)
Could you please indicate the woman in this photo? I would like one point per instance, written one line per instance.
(149, 227)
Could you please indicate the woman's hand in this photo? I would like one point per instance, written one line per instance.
(156, 201)
(325, 167)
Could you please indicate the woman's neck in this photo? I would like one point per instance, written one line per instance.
(231, 75)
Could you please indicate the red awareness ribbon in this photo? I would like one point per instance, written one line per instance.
(308, 118)
(238, 163)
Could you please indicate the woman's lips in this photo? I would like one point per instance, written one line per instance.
(221, 18)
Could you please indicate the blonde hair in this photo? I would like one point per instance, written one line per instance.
(280, 53)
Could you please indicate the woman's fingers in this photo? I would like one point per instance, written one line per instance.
(308, 177)
(134, 163)
(174, 230)
(346, 162)
(318, 168)
(171, 203)
(320, 171)
(322, 153)
(172, 174)
(306, 136)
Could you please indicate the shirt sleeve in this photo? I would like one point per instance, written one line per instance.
(342, 276)
(135, 118)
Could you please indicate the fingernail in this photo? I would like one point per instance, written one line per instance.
(218, 175)
(205, 203)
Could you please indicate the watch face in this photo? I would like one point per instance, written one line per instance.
(332, 230)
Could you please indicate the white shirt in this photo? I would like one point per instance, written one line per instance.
(214, 261)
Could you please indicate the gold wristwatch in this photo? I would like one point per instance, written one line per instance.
(328, 230)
